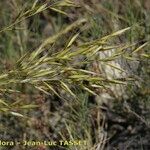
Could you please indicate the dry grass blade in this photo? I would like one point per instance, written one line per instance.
(24, 15)
(51, 89)
(72, 40)
(146, 55)
(140, 47)
(3, 102)
(66, 88)
(88, 90)
(115, 67)
(54, 38)
(30, 106)
(36, 9)
(59, 11)
(16, 114)
(65, 3)
(116, 33)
